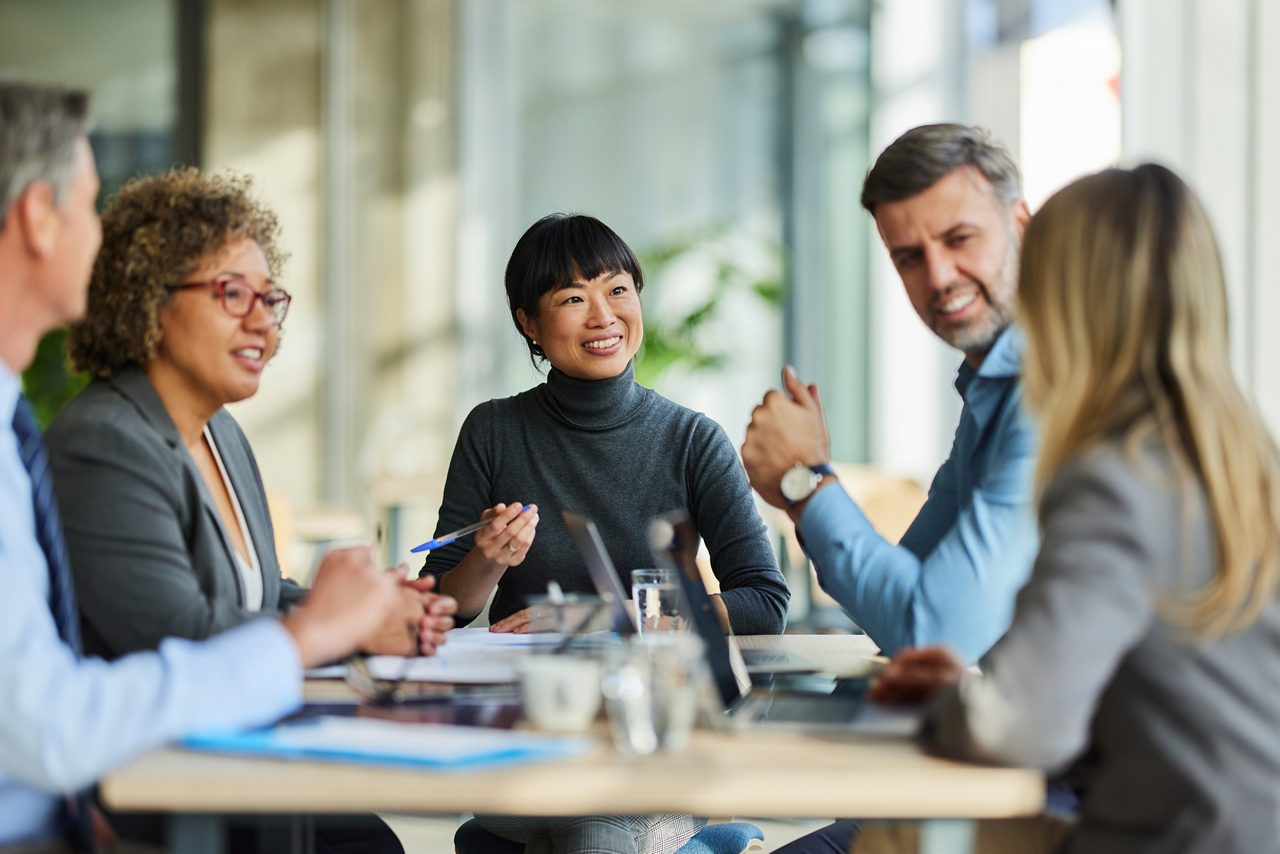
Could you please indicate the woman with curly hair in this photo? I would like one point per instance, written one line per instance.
(164, 510)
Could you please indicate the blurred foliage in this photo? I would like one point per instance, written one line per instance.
(49, 381)
(677, 342)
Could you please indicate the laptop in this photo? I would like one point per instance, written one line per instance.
(842, 707)
(603, 574)
(608, 584)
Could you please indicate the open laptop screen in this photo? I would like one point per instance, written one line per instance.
(674, 543)
(602, 571)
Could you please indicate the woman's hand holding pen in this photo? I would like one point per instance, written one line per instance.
(502, 540)
(507, 539)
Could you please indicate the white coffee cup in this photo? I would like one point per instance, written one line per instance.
(561, 691)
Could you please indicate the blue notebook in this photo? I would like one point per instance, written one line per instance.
(440, 747)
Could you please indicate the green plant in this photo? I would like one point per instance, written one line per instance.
(49, 381)
(677, 342)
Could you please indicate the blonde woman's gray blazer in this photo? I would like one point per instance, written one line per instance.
(1182, 734)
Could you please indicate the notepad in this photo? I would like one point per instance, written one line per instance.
(439, 747)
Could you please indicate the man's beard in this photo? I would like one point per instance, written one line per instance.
(976, 337)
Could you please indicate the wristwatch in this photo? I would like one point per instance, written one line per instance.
(799, 481)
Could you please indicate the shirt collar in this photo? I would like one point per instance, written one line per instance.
(983, 388)
(10, 388)
(1003, 361)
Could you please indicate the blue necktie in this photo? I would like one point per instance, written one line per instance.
(62, 597)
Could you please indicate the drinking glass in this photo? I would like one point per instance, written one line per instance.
(657, 598)
(651, 690)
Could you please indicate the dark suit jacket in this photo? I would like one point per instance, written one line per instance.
(148, 550)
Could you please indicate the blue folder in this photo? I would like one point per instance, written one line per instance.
(439, 747)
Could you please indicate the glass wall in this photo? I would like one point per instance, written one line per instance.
(710, 136)
(126, 54)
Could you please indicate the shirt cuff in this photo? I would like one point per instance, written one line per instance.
(829, 515)
(261, 659)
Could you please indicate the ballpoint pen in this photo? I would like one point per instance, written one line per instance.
(461, 532)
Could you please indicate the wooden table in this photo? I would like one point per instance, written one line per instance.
(754, 773)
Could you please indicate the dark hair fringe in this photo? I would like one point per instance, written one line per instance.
(559, 249)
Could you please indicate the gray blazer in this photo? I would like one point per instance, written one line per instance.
(148, 550)
(1182, 734)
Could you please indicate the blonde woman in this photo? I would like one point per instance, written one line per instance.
(1149, 633)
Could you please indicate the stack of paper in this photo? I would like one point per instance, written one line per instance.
(382, 742)
(481, 637)
(469, 657)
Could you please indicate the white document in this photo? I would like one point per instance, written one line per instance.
(482, 637)
(459, 666)
(470, 656)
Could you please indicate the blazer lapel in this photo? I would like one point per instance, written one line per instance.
(245, 480)
(134, 386)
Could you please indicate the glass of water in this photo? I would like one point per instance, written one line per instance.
(651, 688)
(658, 603)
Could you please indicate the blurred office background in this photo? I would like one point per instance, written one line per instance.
(407, 143)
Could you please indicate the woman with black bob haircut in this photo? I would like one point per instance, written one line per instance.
(592, 440)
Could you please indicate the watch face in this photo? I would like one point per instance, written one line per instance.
(797, 483)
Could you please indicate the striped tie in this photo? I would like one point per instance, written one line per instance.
(62, 597)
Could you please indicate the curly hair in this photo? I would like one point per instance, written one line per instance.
(156, 231)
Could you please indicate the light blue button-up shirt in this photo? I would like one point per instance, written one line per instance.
(65, 721)
(953, 577)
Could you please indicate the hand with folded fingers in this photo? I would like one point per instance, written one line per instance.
(349, 600)
(398, 632)
(437, 616)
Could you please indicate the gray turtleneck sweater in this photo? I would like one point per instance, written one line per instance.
(619, 454)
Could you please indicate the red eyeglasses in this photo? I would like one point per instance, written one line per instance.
(238, 298)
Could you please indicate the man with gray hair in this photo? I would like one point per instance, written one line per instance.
(948, 204)
(947, 201)
(64, 720)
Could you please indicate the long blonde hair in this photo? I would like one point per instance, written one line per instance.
(1125, 309)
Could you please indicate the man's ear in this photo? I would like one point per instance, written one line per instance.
(528, 324)
(1021, 216)
(35, 214)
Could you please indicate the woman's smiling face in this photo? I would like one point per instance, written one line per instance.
(219, 358)
(588, 330)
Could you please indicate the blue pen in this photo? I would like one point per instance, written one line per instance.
(430, 545)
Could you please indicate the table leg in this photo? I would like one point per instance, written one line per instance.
(947, 836)
(197, 833)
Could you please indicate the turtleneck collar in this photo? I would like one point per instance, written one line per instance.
(594, 404)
